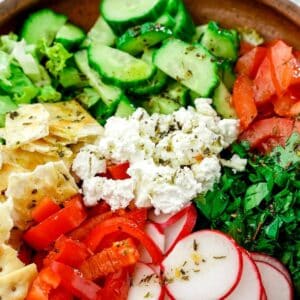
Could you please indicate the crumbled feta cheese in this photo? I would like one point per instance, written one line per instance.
(89, 162)
(236, 163)
(117, 193)
(172, 157)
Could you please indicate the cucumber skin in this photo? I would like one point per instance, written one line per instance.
(110, 80)
(72, 43)
(119, 27)
(172, 7)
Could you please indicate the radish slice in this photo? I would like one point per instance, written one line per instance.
(145, 284)
(274, 263)
(204, 265)
(275, 283)
(250, 285)
(180, 229)
(157, 237)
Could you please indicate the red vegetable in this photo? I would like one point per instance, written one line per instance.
(73, 282)
(42, 235)
(283, 105)
(249, 63)
(260, 131)
(110, 260)
(118, 171)
(68, 251)
(243, 101)
(295, 109)
(60, 294)
(44, 209)
(99, 209)
(245, 47)
(120, 224)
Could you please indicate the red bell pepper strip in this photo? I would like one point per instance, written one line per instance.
(38, 259)
(138, 215)
(25, 254)
(121, 224)
(44, 209)
(71, 216)
(43, 284)
(73, 282)
(99, 209)
(243, 101)
(69, 252)
(60, 294)
(119, 172)
(116, 286)
(260, 131)
(87, 226)
(110, 260)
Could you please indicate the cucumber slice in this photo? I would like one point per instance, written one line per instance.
(136, 39)
(200, 30)
(88, 97)
(119, 67)
(227, 74)
(123, 14)
(193, 66)
(161, 105)
(6, 105)
(70, 77)
(185, 27)
(166, 20)
(110, 95)
(221, 42)
(100, 33)
(178, 93)
(172, 7)
(125, 108)
(222, 102)
(42, 25)
(70, 36)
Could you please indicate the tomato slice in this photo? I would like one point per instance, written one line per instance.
(245, 47)
(60, 294)
(283, 105)
(264, 87)
(249, 63)
(243, 101)
(295, 109)
(264, 129)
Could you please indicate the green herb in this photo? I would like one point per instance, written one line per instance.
(260, 207)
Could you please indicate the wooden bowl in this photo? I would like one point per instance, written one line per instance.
(273, 18)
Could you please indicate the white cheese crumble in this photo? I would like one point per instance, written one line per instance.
(172, 157)
(236, 163)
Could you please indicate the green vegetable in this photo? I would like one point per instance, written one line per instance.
(88, 97)
(260, 207)
(49, 94)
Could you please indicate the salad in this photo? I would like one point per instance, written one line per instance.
(148, 158)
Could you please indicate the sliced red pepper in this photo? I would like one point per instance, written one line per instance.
(110, 260)
(44, 209)
(249, 63)
(60, 294)
(73, 282)
(99, 209)
(69, 252)
(119, 172)
(138, 215)
(117, 286)
(25, 254)
(262, 130)
(71, 216)
(243, 101)
(38, 259)
(87, 226)
(120, 224)
(283, 105)
(43, 284)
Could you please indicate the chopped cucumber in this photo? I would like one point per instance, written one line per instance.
(6, 105)
(172, 7)
(227, 74)
(119, 68)
(123, 14)
(185, 27)
(221, 42)
(42, 25)
(102, 112)
(222, 102)
(125, 108)
(88, 97)
(100, 33)
(161, 105)
(166, 20)
(177, 92)
(70, 77)
(110, 95)
(193, 66)
(200, 30)
(136, 39)
(70, 36)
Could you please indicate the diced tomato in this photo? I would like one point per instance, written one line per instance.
(60, 294)
(264, 87)
(121, 224)
(245, 47)
(73, 282)
(281, 66)
(44, 209)
(110, 260)
(296, 126)
(68, 251)
(117, 285)
(249, 63)
(99, 209)
(43, 284)
(71, 216)
(243, 101)
(265, 111)
(87, 226)
(118, 172)
(283, 105)
(269, 144)
(262, 130)
(295, 109)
